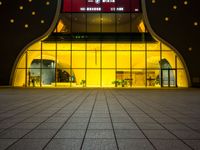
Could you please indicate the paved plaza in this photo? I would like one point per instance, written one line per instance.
(99, 119)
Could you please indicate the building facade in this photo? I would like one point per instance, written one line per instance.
(106, 43)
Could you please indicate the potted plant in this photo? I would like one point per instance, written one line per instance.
(124, 83)
(116, 82)
(83, 82)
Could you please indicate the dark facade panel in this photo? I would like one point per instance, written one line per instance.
(21, 22)
(177, 22)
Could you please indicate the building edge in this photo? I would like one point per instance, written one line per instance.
(55, 20)
(147, 23)
(52, 27)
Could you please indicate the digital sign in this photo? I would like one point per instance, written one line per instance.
(101, 6)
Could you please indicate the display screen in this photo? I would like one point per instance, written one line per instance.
(101, 6)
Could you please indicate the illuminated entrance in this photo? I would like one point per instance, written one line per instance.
(100, 49)
(100, 65)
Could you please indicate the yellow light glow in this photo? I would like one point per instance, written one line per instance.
(195, 23)
(21, 7)
(59, 26)
(47, 3)
(141, 27)
(123, 46)
(63, 46)
(33, 13)
(85, 65)
(35, 46)
(153, 46)
(174, 7)
(166, 18)
(26, 25)
(185, 2)
(12, 20)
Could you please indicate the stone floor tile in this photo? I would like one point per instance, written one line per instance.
(99, 144)
(125, 126)
(169, 144)
(56, 119)
(94, 115)
(79, 111)
(100, 119)
(119, 115)
(75, 125)
(100, 126)
(121, 119)
(61, 115)
(144, 120)
(159, 134)
(4, 143)
(186, 134)
(35, 119)
(40, 134)
(125, 134)
(79, 119)
(99, 134)
(64, 144)
(50, 126)
(194, 126)
(138, 115)
(29, 144)
(150, 126)
(177, 111)
(76, 134)
(13, 133)
(81, 115)
(166, 120)
(195, 144)
(137, 144)
(189, 120)
(5, 125)
(172, 126)
(25, 125)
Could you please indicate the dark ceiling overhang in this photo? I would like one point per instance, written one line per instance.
(105, 37)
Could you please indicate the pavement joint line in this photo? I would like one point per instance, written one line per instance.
(89, 121)
(169, 115)
(133, 120)
(43, 101)
(42, 121)
(157, 122)
(157, 104)
(24, 100)
(83, 100)
(111, 121)
(29, 116)
(17, 107)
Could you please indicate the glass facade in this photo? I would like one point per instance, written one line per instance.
(100, 50)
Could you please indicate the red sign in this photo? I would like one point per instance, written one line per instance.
(101, 6)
